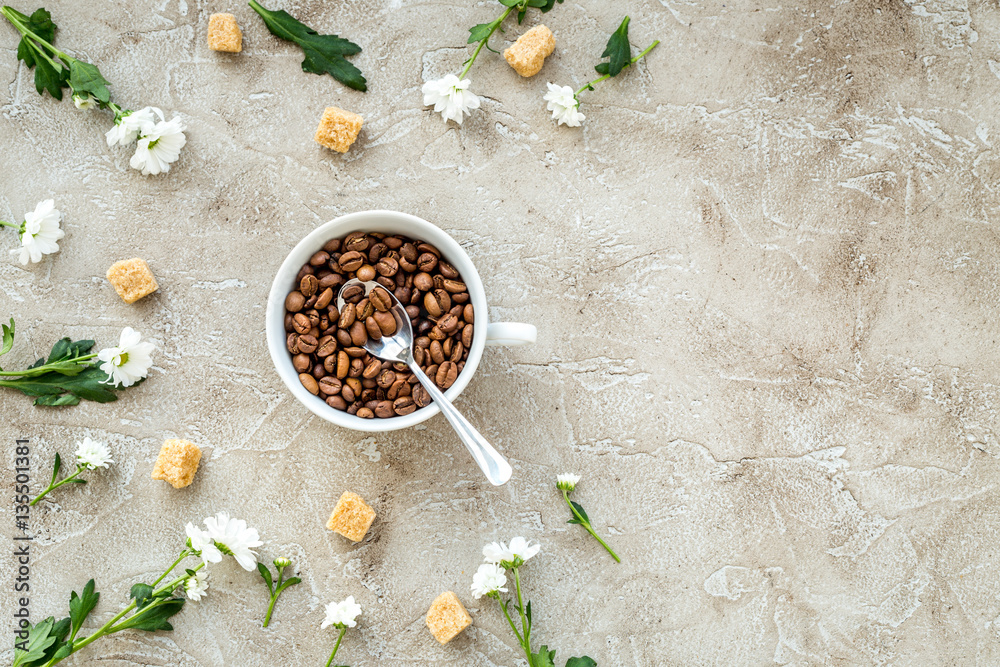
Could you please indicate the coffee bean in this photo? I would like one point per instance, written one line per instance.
(436, 333)
(446, 375)
(468, 314)
(427, 262)
(384, 410)
(364, 309)
(380, 299)
(353, 293)
(347, 316)
(324, 298)
(449, 273)
(394, 242)
(343, 337)
(394, 392)
(356, 241)
(372, 370)
(301, 362)
(427, 247)
(421, 397)
(319, 258)
(292, 343)
(448, 323)
(357, 368)
(330, 385)
(419, 355)
(365, 413)
(327, 346)
(301, 323)
(308, 285)
(294, 301)
(437, 302)
(423, 282)
(309, 382)
(348, 393)
(343, 364)
(358, 334)
(307, 344)
(366, 273)
(351, 261)
(337, 402)
(330, 364)
(355, 352)
(386, 323)
(404, 405)
(386, 378)
(332, 246)
(353, 408)
(467, 335)
(413, 312)
(387, 266)
(437, 351)
(374, 332)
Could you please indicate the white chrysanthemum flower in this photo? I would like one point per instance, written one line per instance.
(564, 106)
(233, 538)
(39, 233)
(567, 481)
(195, 587)
(129, 362)
(342, 614)
(128, 127)
(200, 542)
(519, 552)
(85, 102)
(159, 147)
(489, 578)
(450, 97)
(92, 454)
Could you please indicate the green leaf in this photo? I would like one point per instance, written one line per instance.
(289, 582)
(89, 385)
(602, 68)
(55, 468)
(85, 79)
(618, 52)
(156, 618)
(510, 3)
(47, 77)
(581, 511)
(39, 639)
(66, 349)
(266, 576)
(8, 337)
(478, 33)
(81, 605)
(581, 662)
(57, 400)
(324, 54)
(58, 647)
(549, 4)
(544, 657)
(142, 594)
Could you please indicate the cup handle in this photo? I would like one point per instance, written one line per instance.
(510, 333)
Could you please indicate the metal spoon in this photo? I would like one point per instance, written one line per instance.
(399, 347)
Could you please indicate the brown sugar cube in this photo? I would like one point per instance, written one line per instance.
(132, 279)
(447, 617)
(224, 33)
(528, 53)
(338, 129)
(177, 463)
(352, 517)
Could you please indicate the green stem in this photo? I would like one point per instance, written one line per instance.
(475, 54)
(588, 86)
(184, 554)
(53, 487)
(510, 621)
(526, 644)
(23, 29)
(65, 364)
(589, 529)
(10, 224)
(274, 596)
(336, 646)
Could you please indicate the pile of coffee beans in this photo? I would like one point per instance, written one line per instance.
(327, 344)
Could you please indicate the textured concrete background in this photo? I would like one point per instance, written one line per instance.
(764, 276)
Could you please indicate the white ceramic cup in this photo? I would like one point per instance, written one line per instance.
(386, 222)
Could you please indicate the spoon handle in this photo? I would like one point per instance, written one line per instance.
(494, 466)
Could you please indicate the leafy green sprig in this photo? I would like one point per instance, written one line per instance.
(275, 588)
(67, 376)
(69, 479)
(481, 33)
(567, 484)
(49, 642)
(619, 55)
(324, 54)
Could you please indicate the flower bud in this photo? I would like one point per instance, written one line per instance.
(567, 481)
(84, 101)
(281, 561)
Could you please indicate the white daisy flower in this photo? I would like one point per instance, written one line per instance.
(564, 106)
(520, 551)
(567, 481)
(342, 614)
(131, 124)
(129, 362)
(159, 147)
(200, 542)
(233, 538)
(85, 102)
(489, 578)
(195, 587)
(450, 97)
(92, 454)
(39, 233)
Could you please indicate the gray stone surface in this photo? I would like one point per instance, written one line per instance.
(764, 276)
